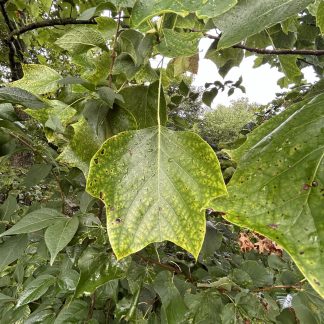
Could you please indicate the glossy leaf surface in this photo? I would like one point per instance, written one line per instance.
(12, 249)
(19, 96)
(97, 268)
(74, 312)
(249, 17)
(58, 235)
(142, 103)
(155, 184)
(144, 10)
(34, 221)
(35, 289)
(278, 187)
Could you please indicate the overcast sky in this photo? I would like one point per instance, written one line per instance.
(260, 83)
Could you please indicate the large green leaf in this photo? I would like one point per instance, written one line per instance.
(58, 235)
(97, 268)
(214, 8)
(320, 16)
(178, 44)
(155, 184)
(278, 188)
(144, 10)
(138, 47)
(35, 289)
(81, 38)
(34, 221)
(12, 249)
(249, 17)
(142, 102)
(38, 79)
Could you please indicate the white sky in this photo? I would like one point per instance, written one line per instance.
(260, 83)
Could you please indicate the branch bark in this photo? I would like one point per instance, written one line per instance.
(13, 44)
(49, 23)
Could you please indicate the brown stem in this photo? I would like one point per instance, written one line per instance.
(113, 52)
(54, 22)
(92, 305)
(164, 266)
(101, 206)
(272, 51)
(161, 265)
(295, 287)
(49, 23)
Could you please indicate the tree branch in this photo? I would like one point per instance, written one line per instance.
(15, 67)
(49, 23)
(113, 52)
(272, 51)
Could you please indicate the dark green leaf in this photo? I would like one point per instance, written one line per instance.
(209, 96)
(4, 298)
(11, 249)
(35, 289)
(277, 189)
(97, 268)
(74, 312)
(20, 96)
(41, 317)
(7, 112)
(173, 305)
(8, 208)
(58, 235)
(37, 173)
(142, 102)
(109, 96)
(249, 17)
(34, 221)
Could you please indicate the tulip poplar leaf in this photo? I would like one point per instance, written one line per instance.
(249, 17)
(278, 188)
(155, 183)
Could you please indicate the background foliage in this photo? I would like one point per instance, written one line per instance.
(87, 106)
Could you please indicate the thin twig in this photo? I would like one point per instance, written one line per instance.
(295, 287)
(92, 305)
(272, 51)
(49, 23)
(101, 206)
(55, 22)
(165, 266)
(113, 52)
